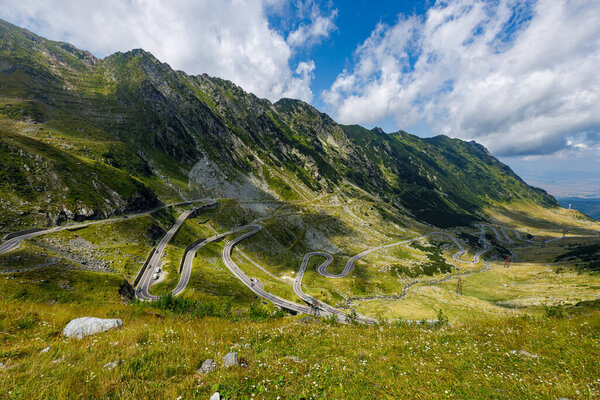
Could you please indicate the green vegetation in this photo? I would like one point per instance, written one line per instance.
(83, 138)
(158, 352)
(589, 254)
(437, 263)
(127, 130)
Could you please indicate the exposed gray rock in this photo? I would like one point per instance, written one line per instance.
(126, 291)
(112, 365)
(65, 285)
(2, 366)
(230, 360)
(215, 396)
(81, 327)
(208, 365)
(45, 350)
(523, 353)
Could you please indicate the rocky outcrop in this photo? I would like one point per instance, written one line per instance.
(126, 291)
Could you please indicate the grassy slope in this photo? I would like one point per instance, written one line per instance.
(160, 354)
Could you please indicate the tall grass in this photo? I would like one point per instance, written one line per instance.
(161, 345)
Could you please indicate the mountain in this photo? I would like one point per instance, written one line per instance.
(344, 223)
(82, 137)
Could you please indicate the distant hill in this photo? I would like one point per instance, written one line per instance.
(589, 207)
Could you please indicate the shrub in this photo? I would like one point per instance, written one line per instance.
(442, 319)
(352, 317)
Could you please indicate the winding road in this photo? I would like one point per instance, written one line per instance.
(314, 305)
(322, 268)
(14, 243)
(142, 290)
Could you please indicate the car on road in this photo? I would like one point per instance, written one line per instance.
(157, 270)
(155, 276)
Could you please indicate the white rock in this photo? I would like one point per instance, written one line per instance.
(215, 396)
(81, 327)
(523, 353)
(112, 365)
(45, 350)
(208, 365)
(2, 366)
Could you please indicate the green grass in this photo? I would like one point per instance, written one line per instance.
(161, 350)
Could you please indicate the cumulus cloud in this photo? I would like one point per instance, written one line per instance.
(319, 28)
(231, 39)
(520, 77)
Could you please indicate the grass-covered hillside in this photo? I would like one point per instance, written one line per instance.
(158, 352)
(587, 206)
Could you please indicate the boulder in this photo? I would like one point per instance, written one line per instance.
(208, 365)
(215, 396)
(81, 327)
(230, 360)
(45, 350)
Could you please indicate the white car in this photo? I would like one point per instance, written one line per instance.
(155, 276)
(157, 270)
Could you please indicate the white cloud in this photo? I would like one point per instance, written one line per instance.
(231, 39)
(519, 77)
(319, 28)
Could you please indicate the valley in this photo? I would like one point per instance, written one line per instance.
(333, 260)
(468, 258)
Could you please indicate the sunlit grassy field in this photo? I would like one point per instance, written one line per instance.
(159, 353)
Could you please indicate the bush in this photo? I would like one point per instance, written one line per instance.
(180, 305)
(331, 319)
(259, 313)
(196, 308)
(352, 317)
(442, 319)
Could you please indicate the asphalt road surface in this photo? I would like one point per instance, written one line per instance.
(142, 290)
(311, 301)
(233, 267)
(15, 242)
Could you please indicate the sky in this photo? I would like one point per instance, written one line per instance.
(520, 77)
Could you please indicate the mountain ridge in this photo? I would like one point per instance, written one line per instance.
(177, 134)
